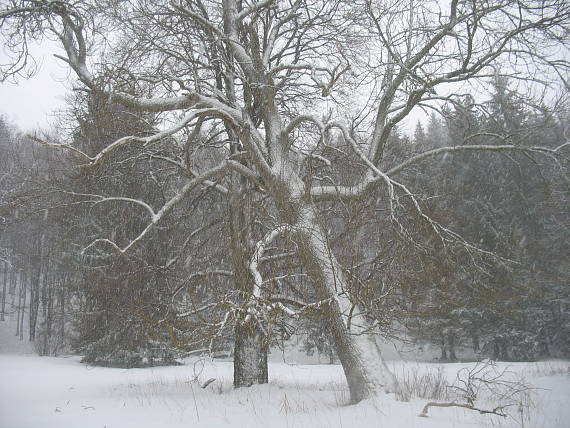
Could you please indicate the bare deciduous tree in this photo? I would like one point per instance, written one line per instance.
(262, 74)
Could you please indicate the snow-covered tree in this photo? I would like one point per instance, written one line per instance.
(275, 82)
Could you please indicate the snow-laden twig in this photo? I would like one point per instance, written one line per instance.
(358, 190)
(95, 160)
(496, 411)
(258, 252)
(253, 8)
(167, 207)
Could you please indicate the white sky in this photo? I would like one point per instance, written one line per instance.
(30, 103)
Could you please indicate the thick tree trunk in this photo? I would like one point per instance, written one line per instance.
(355, 345)
(366, 372)
(251, 343)
(250, 354)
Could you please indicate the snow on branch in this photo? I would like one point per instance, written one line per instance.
(256, 258)
(334, 74)
(280, 302)
(475, 147)
(496, 411)
(71, 33)
(98, 199)
(260, 247)
(167, 207)
(253, 8)
(442, 232)
(359, 189)
(95, 160)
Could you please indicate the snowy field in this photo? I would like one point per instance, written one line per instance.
(46, 392)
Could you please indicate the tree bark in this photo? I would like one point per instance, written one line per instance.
(366, 372)
(250, 354)
(452, 356)
(251, 343)
(23, 305)
(61, 300)
(35, 299)
(19, 308)
(355, 344)
(4, 289)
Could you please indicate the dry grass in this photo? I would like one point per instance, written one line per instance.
(429, 384)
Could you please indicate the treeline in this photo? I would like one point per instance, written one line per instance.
(482, 264)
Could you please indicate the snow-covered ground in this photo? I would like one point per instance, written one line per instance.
(42, 392)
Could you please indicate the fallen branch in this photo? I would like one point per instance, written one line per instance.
(206, 383)
(496, 411)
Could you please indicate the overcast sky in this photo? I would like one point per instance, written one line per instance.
(29, 103)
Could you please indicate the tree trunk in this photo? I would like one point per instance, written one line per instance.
(355, 345)
(250, 354)
(48, 315)
(443, 347)
(4, 289)
(24, 293)
(475, 339)
(35, 299)
(251, 343)
(19, 308)
(61, 332)
(452, 356)
(13, 283)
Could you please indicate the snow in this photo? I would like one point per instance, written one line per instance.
(61, 392)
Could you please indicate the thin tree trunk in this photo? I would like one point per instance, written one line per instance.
(61, 315)
(35, 300)
(475, 339)
(4, 289)
(13, 283)
(25, 292)
(44, 309)
(48, 315)
(19, 309)
(452, 356)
